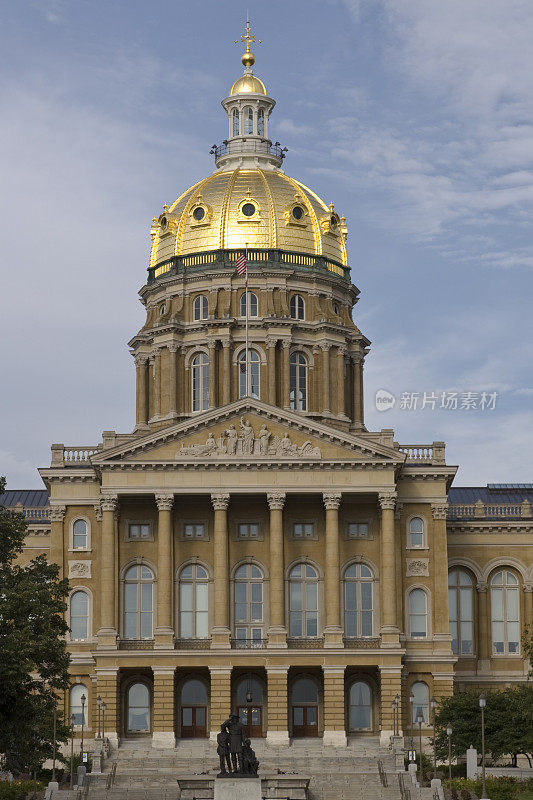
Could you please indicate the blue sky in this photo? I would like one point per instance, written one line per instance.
(415, 117)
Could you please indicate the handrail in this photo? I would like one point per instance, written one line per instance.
(404, 791)
(382, 774)
(111, 777)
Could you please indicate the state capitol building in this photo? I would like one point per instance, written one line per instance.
(250, 536)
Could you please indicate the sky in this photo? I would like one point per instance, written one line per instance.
(415, 117)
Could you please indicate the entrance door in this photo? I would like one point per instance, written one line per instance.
(360, 716)
(304, 721)
(138, 712)
(252, 721)
(193, 722)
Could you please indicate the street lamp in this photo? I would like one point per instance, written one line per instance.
(393, 704)
(72, 718)
(397, 701)
(83, 699)
(449, 732)
(103, 722)
(420, 720)
(249, 699)
(98, 703)
(482, 704)
(55, 745)
(433, 704)
(412, 718)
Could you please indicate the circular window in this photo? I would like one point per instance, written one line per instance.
(297, 212)
(333, 222)
(248, 209)
(198, 213)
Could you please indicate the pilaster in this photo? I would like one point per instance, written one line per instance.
(107, 689)
(226, 371)
(141, 365)
(285, 373)
(278, 731)
(391, 687)
(220, 634)
(334, 724)
(483, 628)
(389, 626)
(163, 726)
(220, 698)
(164, 633)
(441, 624)
(325, 378)
(57, 537)
(333, 629)
(107, 634)
(277, 632)
(271, 363)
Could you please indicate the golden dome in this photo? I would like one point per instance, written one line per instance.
(248, 83)
(262, 208)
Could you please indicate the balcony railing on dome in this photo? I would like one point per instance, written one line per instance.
(250, 146)
(248, 644)
(225, 259)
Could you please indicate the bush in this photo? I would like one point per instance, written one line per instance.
(17, 790)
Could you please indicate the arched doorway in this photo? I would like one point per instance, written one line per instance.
(250, 713)
(137, 709)
(360, 707)
(193, 709)
(304, 707)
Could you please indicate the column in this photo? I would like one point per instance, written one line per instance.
(220, 634)
(107, 689)
(57, 545)
(285, 374)
(362, 391)
(332, 630)
(483, 630)
(164, 633)
(278, 706)
(213, 374)
(271, 362)
(141, 364)
(220, 698)
(107, 634)
(226, 372)
(334, 724)
(277, 631)
(163, 727)
(357, 408)
(441, 617)
(389, 628)
(172, 378)
(390, 686)
(341, 351)
(325, 379)
(156, 381)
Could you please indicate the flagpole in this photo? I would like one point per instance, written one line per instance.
(247, 351)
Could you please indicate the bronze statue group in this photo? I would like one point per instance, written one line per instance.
(234, 751)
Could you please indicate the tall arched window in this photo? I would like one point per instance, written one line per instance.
(248, 120)
(420, 702)
(505, 612)
(138, 602)
(360, 716)
(138, 708)
(201, 308)
(303, 601)
(200, 382)
(358, 601)
(248, 603)
(304, 707)
(297, 307)
(235, 118)
(76, 706)
(461, 605)
(79, 615)
(252, 304)
(254, 364)
(79, 535)
(193, 602)
(418, 624)
(261, 122)
(298, 382)
(416, 532)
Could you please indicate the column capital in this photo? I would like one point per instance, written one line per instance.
(325, 346)
(164, 502)
(173, 347)
(439, 510)
(141, 360)
(482, 587)
(528, 587)
(57, 513)
(276, 500)
(98, 512)
(357, 357)
(332, 500)
(271, 341)
(286, 343)
(109, 502)
(226, 342)
(387, 500)
(220, 500)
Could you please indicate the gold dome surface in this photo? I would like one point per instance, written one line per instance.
(212, 215)
(248, 83)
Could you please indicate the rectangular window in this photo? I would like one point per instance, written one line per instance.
(194, 530)
(248, 530)
(138, 530)
(303, 530)
(358, 530)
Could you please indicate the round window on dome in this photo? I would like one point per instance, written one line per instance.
(333, 222)
(297, 212)
(248, 209)
(198, 213)
(164, 223)
(162, 309)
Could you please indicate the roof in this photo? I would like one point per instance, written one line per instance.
(492, 493)
(29, 498)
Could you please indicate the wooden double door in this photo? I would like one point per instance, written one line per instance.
(252, 719)
(193, 722)
(304, 720)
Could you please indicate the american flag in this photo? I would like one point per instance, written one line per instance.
(241, 264)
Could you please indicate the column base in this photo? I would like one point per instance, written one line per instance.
(278, 738)
(334, 739)
(142, 427)
(390, 636)
(163, 740)
(277, 637)
(164, 639)
(333, 636)
(107, 639)
(220, 639)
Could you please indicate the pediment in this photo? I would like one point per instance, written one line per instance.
(248, 431)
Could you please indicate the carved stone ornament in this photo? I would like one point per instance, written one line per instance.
(248, 443)
(220, 501)
(332, 500)
(57, 513)
(387, 500)
(439, 510)
(79, 569)
(417, 567)
(109, 503)
(164, 502)
(276, 500)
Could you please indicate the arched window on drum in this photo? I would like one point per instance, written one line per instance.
(298, 382)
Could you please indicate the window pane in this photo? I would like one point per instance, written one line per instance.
(366, 623)
(257, 592)
(201, 597)
(452, 603)
(312, 596)
(416, 525)
(418, 625)
(295, 596)
(366, 595)
(186, 572)
(417, 539)
(466, 638)
(496, 596)
(513, 635)
(146, 625)
(240, 592)
(202, 630)
(186, 716)
(256, 572)
(146, 597)
(512, 604)
(295, 623)
(240, 612)
(497, 637)
(417, 601)
(130, 596)
(350, 624)
(298, 715)
(310, 571)
(186, 631)
(351, 595)
(146, 573)
(453, 632)
(130, 627)
(466, 596)
(312, 624)
(186, 596)
(257, 612)
(78, 627)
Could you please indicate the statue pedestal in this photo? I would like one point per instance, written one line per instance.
(237, 788)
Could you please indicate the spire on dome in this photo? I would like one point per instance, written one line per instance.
(247, 58)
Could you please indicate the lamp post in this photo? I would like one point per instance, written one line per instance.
(433, 704)
(397, 701)
(98, 704)
(449, 732)
(83, 699)
(72, 718)
(393, 704)
(54, 746)
(420, 720)
(103, 722)
(412, 717)
(482, 704)
(249, 699)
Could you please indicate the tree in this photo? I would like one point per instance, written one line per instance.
(33, 657)
(527, 646)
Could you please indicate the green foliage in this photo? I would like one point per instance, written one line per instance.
(17, 790)
(33, 656)
(502, 788)
(527, 646)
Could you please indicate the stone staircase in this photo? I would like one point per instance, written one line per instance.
(348, 773)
